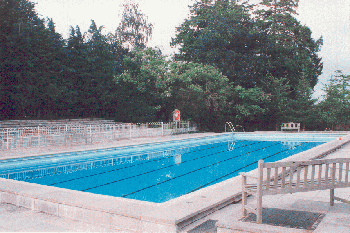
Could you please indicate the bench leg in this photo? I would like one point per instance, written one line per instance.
(332, 197)
(244, 196)
(244, 203)
(259, 210)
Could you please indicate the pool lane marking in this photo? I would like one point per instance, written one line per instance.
(110, 158)
(193, 171)
(201, 169)
(202, 186)
(114, 170)
(176, 165)
(152, 170)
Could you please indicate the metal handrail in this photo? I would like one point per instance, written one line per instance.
(71, 134)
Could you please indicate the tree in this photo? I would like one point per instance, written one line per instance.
(142, 86)
(278, 107)
(134, 28)
(93, 60)
(245, 47)
(198, 91)
(290, 50)
(223, 35)
(335, 107)
(245, 106)
(28, 71)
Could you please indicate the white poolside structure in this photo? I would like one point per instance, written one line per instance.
(290, 126)
(32, 134)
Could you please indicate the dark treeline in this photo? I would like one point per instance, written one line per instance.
(253, 66)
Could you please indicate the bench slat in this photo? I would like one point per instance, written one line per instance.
(305, 163)
(268, 178)
(342, 200)
(347, 173)
(291, 172)
(305, 173)
(303, 189)
(302, 183)
(340, 172)
(283, 176)
(276, 183)
(312, 175)
(326, 171)
(319, 173)
(298, 176)
(333, 172)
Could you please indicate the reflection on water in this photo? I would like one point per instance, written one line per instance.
(73, 167)
(177, 159)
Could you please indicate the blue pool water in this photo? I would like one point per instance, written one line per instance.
(158, 172)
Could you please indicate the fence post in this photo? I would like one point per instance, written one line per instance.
(65, 138)
(86, 134)
(162, 128)
(7, 138)
(130, 130)
(90, 135)
(39, 135)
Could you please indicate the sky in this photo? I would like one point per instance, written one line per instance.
(329, 19)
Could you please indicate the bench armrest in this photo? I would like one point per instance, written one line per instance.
(244, 174)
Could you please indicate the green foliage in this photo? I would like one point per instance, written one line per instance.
(256, 70)
(290, 51)
(43, 77)
(142, 85)
(247, 48)
(335, 107)
(30, 61)
(198, 92)
(248, 106)
(134, 27)
(221, 34)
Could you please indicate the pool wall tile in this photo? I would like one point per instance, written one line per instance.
(157, 227)
(96, 217)
(46, 207)
(10, 198)
(26, 202)
(79, 214)
(129, 223)
(67, 211)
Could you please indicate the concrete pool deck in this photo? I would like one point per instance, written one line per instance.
(215, 199)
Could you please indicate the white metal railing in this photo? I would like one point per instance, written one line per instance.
(73, 134)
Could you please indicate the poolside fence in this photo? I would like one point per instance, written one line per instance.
(75, 134)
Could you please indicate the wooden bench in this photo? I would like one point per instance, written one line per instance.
(291, 126)
(295, 176)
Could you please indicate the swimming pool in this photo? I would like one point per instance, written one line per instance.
(159, 172)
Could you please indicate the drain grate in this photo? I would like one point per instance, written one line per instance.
(288, 218)
(207, 227)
